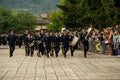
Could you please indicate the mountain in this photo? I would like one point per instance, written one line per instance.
(33, 6)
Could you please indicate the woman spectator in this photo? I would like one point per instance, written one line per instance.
(101, 41)
(116, 39)
(110, 40)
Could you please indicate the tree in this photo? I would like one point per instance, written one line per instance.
(25, 20)
(99, 13)
(18, 21)
(5, 17)
(56, 21)
(70, 12)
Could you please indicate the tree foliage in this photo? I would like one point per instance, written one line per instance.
(56, 21)
(99, 13)
(18, 21)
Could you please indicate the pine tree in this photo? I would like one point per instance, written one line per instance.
(99, 13)
(70, 14)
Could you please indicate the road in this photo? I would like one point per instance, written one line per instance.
(94, 67)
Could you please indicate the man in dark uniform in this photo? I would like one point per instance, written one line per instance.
(25, 39)
(84, 42)
(47, 43)
(4, 39)
(56, 43)
(36, 35)
(0, 39)
(52, 43)
(39, 41)
(65, 42)
(11, 41)
(26, 42)
(72, 48)
(31, 43)
(19, 40)
(25, 35)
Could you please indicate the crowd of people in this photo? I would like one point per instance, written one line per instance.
(106, 41)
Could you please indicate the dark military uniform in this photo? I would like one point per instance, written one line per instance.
(26, 43)
(47, 43)
(52, 44)
(84, 42)
(19, 40)
(0, 39)
(72, 48)
(31, 45)
(11, 41)
(39, 41)
(24, 36)
(4, 39)
(57, 44)
(65, 43)
(36, 45)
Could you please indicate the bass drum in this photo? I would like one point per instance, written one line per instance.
(74, 41)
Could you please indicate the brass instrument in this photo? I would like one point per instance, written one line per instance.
(26, 50)
(39, 42)
(32, 43)
(62, 48)
(90, 31)
(52, 49)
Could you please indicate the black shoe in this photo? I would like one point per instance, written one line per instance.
(64, 56)
(85, 56)
(42, 54)
(47, 56)
(10, 56)
(51, 54)
(72, 54)
(56, 55)
(31, 55)
(38, 54)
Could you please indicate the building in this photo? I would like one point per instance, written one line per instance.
(42, 20)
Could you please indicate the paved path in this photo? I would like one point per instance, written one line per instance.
(94, 67)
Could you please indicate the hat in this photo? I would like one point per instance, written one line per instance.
(109, 28)
(102, 33)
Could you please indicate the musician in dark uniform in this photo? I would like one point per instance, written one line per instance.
(36, 35)
(19, 40)
(25, 35)
(4, 39)
(65, 42)
(0, 39)
(26, 42)
(72, 48)
(39, 41)
(11, 42)
(56, 43)
(84, 42)
(52, 43)
(25, 39)
(31, 42)
(47, 43)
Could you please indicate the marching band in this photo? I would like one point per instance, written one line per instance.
(50, 43)
(47, 43)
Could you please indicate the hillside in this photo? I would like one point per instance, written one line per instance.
(34, 6)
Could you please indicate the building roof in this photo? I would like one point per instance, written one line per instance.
(42, 19)
(40, 27)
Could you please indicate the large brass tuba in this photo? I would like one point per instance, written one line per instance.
(90, 31)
